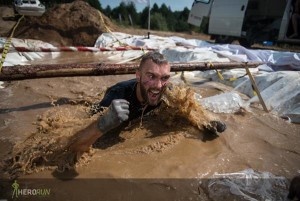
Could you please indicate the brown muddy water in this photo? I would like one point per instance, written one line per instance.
(165, 160)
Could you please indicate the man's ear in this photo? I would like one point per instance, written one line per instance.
(137, 75)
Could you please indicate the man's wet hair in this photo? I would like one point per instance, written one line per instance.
(156, 57)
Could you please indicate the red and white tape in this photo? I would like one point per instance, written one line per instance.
(73, 49)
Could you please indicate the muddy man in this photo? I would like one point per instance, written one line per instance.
(131, 99)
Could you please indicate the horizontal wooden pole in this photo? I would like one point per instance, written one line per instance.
(21, 72)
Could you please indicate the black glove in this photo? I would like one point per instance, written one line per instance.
(117, 113)
(216, 126)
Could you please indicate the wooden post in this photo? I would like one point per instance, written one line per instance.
(256, 88)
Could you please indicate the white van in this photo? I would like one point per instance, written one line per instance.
(249, 21)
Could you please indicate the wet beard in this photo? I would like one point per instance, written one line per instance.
(144, 94)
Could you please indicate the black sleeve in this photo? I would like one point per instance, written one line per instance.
(122, 90)
(115, 92)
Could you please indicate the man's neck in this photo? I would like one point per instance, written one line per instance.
(139, 94)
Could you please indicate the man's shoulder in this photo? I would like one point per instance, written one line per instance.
(121, 90)
(125, 84)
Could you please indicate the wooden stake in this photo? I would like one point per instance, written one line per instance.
(256, 88)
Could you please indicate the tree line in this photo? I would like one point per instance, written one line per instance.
(162, 18)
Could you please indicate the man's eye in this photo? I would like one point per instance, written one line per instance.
(164, 79)
(151, 77)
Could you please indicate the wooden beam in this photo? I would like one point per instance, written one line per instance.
(21, 72)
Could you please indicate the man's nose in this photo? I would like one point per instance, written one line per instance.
(158, 83)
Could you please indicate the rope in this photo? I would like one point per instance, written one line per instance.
(235, 78)
(211, 65)
(7, 44)
(228, 79)
(106, 27)
(254, 91)
(141, 122)
(108, 30)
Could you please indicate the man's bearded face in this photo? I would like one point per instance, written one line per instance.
(153, 79)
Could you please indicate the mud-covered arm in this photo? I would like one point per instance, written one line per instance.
(83, 139)
(117, 113)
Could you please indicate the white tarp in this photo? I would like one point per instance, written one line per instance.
(21, 58)
(274, 59)
(248, 185)
(278, 60)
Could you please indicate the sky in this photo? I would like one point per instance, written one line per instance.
(176, 5)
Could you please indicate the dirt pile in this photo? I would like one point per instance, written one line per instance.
(75, 23)
(5, 25)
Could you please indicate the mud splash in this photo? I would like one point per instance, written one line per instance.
(180, 102)
(47, 147)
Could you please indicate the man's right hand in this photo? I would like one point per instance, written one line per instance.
(117, 113)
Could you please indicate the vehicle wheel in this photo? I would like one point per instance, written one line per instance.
(244, 42)
(222, 39)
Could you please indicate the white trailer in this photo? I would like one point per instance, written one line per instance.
(248, 21)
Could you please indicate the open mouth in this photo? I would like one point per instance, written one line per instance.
(153, 94)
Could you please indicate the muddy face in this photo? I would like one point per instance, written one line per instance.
(152, 80)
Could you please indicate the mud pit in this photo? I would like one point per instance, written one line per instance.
(57, 128)
(163, 157)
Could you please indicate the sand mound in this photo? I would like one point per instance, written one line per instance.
(6, 25)
(75, 23)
